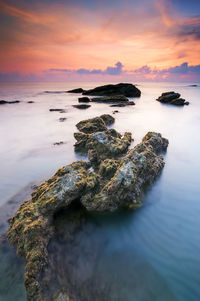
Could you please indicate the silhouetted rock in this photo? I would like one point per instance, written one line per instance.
(30, 101)
(83, 99)
(172, 98)
(193, 85)
(78, 90)
(125, 89)
(110, 99)
(56, 110)
(3, 102)
(123, 104)
(81, 106)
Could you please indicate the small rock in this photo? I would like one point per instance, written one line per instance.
(123, 104)
(110, 99)
(56, 110)
(84, 99)
(30, 101)
(116, 111)
(62, 119)
(58, 143)
(3, 102)
(171, 98)
(81, 106)
(78, 90)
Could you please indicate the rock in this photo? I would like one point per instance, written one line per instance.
(3, 102)
(110, 99)
(116, 111)
(30, 101)
(93, 125)
(62, 119)
(58, 143)
(78, 90)
(82, 106)
(139, 167)
(123, 104)
(31, 226)
(186, 103)
(57, 110)
(171, 98)
(116, 183)
(108, 119)
(83, 99)
(178, 101)
(193, 85)
(125, 89)
(99, 141)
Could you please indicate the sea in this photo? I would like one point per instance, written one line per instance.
(151, 254)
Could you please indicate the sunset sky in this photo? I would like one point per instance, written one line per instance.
(100, 40)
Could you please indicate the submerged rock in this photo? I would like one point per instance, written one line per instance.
(62, 119)
(125, 89)
(83, 99)
(78, 90)
(57, 110)
(58, 143)
(172, 98)
(110, 99)
(82, 106)
(123, 104)
(3, 102)
(117, 182)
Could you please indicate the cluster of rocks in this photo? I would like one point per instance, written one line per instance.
(116, 95)
(172, 98)
(112, 179)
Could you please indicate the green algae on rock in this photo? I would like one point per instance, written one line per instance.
(117, 182)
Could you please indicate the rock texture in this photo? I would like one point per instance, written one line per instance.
(125, 89)
(172, 98)
(109, 181)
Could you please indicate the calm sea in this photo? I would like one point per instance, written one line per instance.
(152, 254)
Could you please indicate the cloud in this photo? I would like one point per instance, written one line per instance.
(116, 70)
(182, 72)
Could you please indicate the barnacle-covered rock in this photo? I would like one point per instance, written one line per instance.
(117, 182)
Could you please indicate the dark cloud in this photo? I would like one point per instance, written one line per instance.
(192, 29)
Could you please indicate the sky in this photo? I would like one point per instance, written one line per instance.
(95, 40)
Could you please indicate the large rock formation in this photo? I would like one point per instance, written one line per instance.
(125, 89)
(122, 89)
(114, 181)
(172, 98)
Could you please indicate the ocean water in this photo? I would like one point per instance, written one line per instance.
(151, 254)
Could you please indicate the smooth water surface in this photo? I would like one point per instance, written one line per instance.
(160, 242)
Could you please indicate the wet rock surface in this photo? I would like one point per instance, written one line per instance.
(172, 98)
(110, 180)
